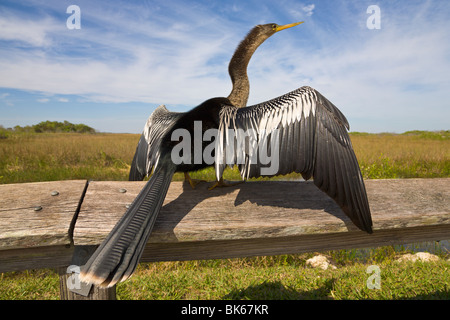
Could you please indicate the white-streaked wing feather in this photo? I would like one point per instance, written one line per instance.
(310, 136)
(147, 151)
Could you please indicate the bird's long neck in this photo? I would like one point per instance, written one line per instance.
(238, 68)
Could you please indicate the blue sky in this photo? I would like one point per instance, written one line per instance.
(131, 56)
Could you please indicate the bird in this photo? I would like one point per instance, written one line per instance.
(161, 120)
(303, 126)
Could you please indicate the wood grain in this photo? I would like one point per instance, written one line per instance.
(40, 257)
(22, 226)
(255, 210)
(253, 218)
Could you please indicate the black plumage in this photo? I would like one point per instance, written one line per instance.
(312, 139)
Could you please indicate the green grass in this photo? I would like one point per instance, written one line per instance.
(29, 285)
(268, 278)
(285, 277)
(26, 157)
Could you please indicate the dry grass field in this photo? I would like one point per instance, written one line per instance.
(410, 155)
(61, 156)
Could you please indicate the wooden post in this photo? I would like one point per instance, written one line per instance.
(95, 293)
(66, 285)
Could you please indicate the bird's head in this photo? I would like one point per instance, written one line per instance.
(267, 30)
(241, 57)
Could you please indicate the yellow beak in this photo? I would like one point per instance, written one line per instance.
(279, 28)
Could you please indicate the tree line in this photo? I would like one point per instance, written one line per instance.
(53, 126)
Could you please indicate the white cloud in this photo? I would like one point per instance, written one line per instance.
(300, 11)
(6, 100)
(308, 9)
(384, 78)
(125, 59)
(63, 100)
(29, 32)
(43, 100)
(181, 59)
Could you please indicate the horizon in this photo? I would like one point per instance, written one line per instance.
(138, 133)
(387, 71)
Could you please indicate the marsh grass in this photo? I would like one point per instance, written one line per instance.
(61, 156)
(27, 157)
(410, 155)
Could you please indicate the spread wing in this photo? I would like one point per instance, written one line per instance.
(299, 132)
(147, 151)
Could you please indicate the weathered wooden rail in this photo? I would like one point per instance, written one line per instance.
(43, 224)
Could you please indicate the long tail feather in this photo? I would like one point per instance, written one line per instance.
(117, 257)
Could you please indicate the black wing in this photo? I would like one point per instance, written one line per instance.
(309, 135)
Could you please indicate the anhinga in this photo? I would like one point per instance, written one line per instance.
(161, 120)
(309, 131)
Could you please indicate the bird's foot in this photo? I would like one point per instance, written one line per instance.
(223, 183)
(192, 182)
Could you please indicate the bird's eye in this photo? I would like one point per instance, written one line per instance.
(274, 26)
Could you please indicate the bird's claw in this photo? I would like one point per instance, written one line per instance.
(223, 183)
(192, 182)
